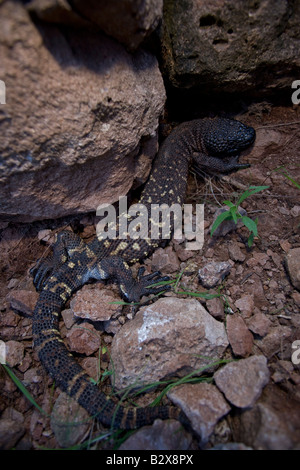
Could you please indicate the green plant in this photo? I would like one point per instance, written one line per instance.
(233, 213)
(284, 172)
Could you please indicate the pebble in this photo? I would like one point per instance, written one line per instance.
(216, 308)
(162, 435)
(83, 339)
(245, 305)
(213, 273)
(69, 421)
(240, 338)
(235, 252)
(243, 381)
(10, 433)
(259, 324)
(203, 404)
(227, 226)
(165, 260)
(14, 352)
(95, 303)
(23, 300)
(292, 263)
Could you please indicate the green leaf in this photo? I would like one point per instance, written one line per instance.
(224, 216)
(233, 212)
(249, 192)
(250, 239)
(229, 204)
(250, 224)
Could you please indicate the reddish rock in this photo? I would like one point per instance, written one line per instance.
(14, 353)
(23, 300)
(94, 111)
(95, 303)
(245, 304)
(166, 260)
(292, 262)
(259, 324)
(240, 338)
(216, 308)
(242, 381)
(171, 336)
(83, 339)
(203, 404)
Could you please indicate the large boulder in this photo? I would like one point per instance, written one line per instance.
(79, 126)
(170, 337)
(128, 21)
(231, 46)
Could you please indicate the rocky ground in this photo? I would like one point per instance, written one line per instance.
(248, 392)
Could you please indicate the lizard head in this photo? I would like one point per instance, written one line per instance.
(226, 137)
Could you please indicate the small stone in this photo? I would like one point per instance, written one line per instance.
(83, 338)
(240, 338)
(235, 252)
(69, 421)
(12, 283)
(23, 300)
(14, 353)
(46, 235)
(213, 273)
(162, 435)
(275, 340)
(245, 305)
(285, 245)
(95, 303)
(68, 318)
(295, 211)
(292, 262)
(227, 226)
(166, 260)
(203, 404)
(10, 433)
(296, 298)
(216, 308)
(259, 324)
(242, 381)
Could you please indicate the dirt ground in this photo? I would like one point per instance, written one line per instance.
(260, 273)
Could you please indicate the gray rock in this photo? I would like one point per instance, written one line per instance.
(229, 225)
(229, 46)
(170, 337)
(213, 273)
(10, 432)
(90, 131)
(129, 21)
(272, 423)
(243, 381)
(69, 421)
(203, 404)
(14, 353)
(162, 435)
(292, 262)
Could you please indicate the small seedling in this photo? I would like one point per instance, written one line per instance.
(233, 214)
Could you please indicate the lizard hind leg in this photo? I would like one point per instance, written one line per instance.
(65, 245)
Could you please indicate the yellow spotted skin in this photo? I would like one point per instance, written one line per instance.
(211, 144)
